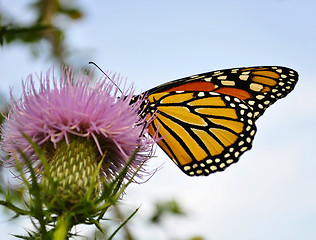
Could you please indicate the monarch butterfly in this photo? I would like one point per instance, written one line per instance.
(207, 121)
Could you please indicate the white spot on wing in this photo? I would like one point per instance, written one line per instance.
(217, 73)
(223, 77)
(243, 106)
(209, 161)
(260, 97)
(256, 87)
(213, 168)
(197, 76)
(187, 168)
(243, 77)
(243, 149)
(228, 83)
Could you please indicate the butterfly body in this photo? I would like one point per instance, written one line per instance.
(207, 121)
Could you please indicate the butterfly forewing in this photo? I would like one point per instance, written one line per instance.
(258, 86)
(206, 121)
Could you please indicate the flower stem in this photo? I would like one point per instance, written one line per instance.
(62, 228)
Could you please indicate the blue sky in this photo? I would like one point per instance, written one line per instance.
(270, 192)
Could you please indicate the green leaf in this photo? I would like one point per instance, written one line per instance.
(123, 223)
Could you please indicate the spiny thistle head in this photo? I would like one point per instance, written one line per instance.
(78, 124)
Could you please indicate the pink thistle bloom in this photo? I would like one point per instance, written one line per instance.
(63, 109)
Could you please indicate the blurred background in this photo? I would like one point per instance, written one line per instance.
(270, 192)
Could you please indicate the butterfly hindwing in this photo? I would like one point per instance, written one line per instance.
(202, 132)
(207, 121)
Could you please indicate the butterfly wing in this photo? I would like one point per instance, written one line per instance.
(207, 120)
(202, 132)
(259, 87)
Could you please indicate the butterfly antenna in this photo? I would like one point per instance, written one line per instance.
(93, 63)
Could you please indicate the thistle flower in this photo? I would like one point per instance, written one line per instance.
(78, 124)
